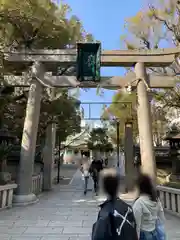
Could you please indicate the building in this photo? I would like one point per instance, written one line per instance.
(76, 145)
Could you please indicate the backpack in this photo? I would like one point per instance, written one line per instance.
(115, 222)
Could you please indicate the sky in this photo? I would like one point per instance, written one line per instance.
(105, 20)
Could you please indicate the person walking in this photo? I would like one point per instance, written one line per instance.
(84, 168)
(95, 168)
(147, 210)
(115, 219)
(106, 162)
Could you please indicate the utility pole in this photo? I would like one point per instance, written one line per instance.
(59, 160)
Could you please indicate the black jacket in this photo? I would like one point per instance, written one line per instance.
(96, 166)
(115, 221)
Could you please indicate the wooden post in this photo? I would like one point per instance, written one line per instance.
(148, 165)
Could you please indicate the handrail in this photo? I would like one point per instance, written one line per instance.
(6, 195)
(170, 198)
(37, 183)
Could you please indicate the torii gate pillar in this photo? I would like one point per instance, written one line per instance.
(129, 156)
(24, 193)
(148, 165)
(48, 156)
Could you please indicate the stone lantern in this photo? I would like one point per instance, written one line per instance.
(174, 142)
(6, 140)
(137, 157)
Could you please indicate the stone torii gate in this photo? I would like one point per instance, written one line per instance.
(46, 61)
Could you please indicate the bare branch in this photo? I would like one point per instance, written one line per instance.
(170, 28)
(146, 43)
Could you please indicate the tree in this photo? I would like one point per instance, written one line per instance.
(39, 24)
(156, 26)
(99, 140)
(122, 108)
(65, 112)
(159, 124)
(33, 24)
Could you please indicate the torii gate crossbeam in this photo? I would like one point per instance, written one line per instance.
(114, 58)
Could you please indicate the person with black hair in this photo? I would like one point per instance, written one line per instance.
(106, 162)
(147, 209)
(115, 219)
(95, 168)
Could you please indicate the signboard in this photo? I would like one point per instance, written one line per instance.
(88, 62)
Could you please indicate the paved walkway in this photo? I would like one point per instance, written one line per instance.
(63, 214)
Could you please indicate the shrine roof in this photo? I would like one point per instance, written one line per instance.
(78, 139)
(171, 136)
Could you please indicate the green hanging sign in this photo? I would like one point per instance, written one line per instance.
(88, 62)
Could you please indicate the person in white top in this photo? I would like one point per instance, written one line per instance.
(147, 209)
(84, 168)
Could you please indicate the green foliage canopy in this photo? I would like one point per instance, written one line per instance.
(123, 109)
(35, 24)
(99, 140)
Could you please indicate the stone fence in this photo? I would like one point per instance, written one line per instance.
(170, 198)
(6, 191)
(37, 183)
(6, 195)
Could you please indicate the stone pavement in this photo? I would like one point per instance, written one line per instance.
(62, 214)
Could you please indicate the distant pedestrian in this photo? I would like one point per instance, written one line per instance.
(84, 168)
(106, 162)
(95, 169)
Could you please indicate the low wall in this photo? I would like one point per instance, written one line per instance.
(170, 198)
(6, 195)
(37, 184)
(13, 169)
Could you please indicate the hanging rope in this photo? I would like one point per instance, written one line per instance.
(129, 85)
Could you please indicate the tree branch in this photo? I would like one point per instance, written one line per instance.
(146, 43)
(170, 28)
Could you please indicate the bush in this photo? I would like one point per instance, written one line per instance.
(172, 185)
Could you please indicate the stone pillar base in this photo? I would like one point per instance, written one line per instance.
(23, 200)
